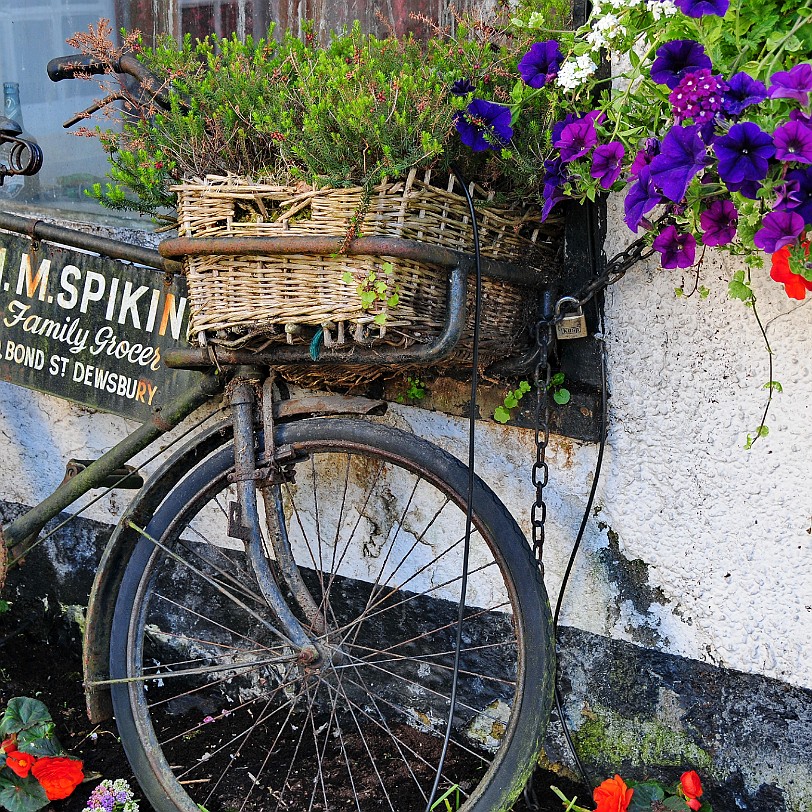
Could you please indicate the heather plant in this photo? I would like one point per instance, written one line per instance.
(352, 112)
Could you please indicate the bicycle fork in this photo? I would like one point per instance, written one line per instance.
(244, 520)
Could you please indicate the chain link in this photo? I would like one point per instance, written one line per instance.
(615, 269)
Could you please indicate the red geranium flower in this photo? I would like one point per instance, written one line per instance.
(19, 763)
(59, 776)
(795, 285)
(612, 795)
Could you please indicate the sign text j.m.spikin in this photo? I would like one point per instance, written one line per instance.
(88, 328)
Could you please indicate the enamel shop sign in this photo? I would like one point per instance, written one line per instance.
(90, 329)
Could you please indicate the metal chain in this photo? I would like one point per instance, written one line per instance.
(615, 269)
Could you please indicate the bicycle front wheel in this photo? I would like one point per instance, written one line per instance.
(216, 709)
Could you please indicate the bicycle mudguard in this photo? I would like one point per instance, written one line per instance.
(103, 595)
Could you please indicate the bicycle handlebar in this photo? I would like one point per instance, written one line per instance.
(77, 66)
(67, 67)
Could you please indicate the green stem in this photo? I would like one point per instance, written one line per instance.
(763, 423)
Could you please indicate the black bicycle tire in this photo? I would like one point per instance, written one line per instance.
(516, 759)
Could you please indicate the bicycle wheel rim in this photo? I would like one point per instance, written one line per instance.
(321, 767)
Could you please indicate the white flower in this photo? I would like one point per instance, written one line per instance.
(661, 8)
(574, 72)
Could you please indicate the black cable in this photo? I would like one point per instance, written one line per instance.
(469, 506)
(571, 562)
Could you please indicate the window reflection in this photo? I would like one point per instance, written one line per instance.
(34, 31)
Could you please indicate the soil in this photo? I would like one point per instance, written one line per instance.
(46, 664)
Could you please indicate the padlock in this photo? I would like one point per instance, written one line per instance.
(572, 325)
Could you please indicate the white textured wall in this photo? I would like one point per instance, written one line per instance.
(724, 533)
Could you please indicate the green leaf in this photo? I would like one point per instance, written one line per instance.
(347, 277)
(380, 318)
(561, 396)
(674, 802)
(762, 431)
(23, 712)
(738, 289)
(524, 387)
(557, 379)
(511, 401)
(645, 793)
(775, 386)
(39, 741)
(501, 414)
(21, 794)
(393, 300)
(678, 292)
(703, 292)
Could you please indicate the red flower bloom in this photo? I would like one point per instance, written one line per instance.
(7, 745)
(19, 763)
(59, 776)
(795, 285)
(691, 785)
(612, 795)
(694, 803)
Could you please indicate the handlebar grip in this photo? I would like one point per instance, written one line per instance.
(66, 67)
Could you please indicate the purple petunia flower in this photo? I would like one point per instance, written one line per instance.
(719, 222)
(746, 188)
(801, 180)
(644, 156)
(484, 125)
(779, 228)
(743, 153)
(697, 96)
(799, 115)
(742, 91)
(607, 163)
(641, 198)
(462, 87)
(578, 137)
(793, 142)
(699, 8)
(682, 155)
(541, 63)
(678, 250)
(677, 58)
(794, 84)
(555, 176)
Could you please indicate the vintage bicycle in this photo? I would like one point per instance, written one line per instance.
(299, 594)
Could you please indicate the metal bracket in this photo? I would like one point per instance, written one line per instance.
(124, 477)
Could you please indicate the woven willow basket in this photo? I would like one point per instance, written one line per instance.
(251, 301)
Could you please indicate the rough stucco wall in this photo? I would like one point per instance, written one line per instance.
(725, 532)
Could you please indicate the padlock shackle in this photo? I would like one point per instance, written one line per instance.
(568, 300)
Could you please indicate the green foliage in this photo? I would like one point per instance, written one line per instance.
(502, 413)
(353, 112)
(761, 431)
(560, 395)
(374, 293)
(416, 389)
(4, 607)
(738, 288)
(23, 713)
(31, 721)
(21, 794)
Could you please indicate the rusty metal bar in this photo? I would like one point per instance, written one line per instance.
(429, 353)
(376, 246)
(39, 230)
(31, 522)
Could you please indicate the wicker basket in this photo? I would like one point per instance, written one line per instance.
(256, 300)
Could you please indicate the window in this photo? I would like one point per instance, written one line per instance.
(33, 32)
